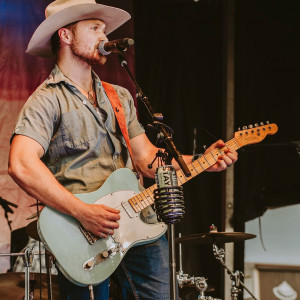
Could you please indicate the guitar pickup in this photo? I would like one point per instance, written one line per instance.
(100, 257)
(129, 210)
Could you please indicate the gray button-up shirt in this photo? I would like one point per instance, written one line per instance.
(81, 148)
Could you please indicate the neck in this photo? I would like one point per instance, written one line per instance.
(79, 72)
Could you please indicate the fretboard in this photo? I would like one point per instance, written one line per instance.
(145, 198)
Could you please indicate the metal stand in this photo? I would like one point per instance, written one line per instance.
(172, 261)
(169, 206)
(27, 259)
(169, 197)
(235, 277)
(91, 292)
(157, 119)
(49, 263)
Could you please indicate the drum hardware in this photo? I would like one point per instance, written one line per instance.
(28, 256)
(215, 237)
(235, 277)
(31, 230)
(185, 280)
(12, 286)
(34, 216)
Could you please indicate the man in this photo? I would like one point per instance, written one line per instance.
(66, 141)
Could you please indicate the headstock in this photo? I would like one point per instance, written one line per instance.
(253, 134)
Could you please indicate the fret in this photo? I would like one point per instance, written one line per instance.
(141, 200)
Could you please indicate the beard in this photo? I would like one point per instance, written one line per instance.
(85, 53)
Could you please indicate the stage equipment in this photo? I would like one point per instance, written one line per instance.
(219, 254)
(169, 206)
(6, 206)
(214, 237)
(187, 284)
(27, 256)
(12, 286)
(106, 47)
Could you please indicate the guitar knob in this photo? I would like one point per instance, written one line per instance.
(89, 264)
(104, 254)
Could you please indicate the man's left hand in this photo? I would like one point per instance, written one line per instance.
(230, 157)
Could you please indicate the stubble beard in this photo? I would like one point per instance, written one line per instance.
(86, 56)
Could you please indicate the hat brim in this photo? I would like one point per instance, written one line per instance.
(40, 42)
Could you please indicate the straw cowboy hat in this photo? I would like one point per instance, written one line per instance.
(63, 12)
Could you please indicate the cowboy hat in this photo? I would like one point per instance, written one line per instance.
(60, 13)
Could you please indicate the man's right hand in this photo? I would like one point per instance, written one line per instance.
(99, 219)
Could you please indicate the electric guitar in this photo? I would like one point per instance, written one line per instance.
(85, 258)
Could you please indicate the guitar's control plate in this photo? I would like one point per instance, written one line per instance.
(101, 257)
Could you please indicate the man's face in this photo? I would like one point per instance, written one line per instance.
(87, 35)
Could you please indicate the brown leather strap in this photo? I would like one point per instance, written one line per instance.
(119, 113)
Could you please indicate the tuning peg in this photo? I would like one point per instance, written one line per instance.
(267, 122)
(250, 126)
(262, 123)
(239, 129)
(245, 127)
(255, 125)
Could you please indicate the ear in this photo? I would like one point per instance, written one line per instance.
(65, 35)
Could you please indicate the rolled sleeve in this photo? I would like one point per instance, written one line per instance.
(37, 119)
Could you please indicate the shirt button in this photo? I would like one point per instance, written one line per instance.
(84, 102)
(116, 156)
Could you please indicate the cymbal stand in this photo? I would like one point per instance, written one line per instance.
(27, 260)
(49, 264)
(235, 277)
(182, 279)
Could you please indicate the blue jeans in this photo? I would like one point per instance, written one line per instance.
(143, 274)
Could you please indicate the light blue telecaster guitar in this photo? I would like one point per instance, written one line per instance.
(87, 259)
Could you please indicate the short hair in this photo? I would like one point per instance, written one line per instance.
(55, 39)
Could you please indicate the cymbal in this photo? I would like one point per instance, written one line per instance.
(31, 230)
(215, 237)
(33, 216)
(12, 286)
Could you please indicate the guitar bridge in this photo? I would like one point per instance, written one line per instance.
(91, 238)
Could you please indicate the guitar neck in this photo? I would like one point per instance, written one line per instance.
(145, 198)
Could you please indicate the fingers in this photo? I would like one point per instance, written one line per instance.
(110, 209)
(101, 220)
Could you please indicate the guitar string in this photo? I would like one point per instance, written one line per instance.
(233, 143)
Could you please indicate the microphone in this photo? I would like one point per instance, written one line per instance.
(169, 203)
(106, 47)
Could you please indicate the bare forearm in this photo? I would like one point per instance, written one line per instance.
(37, 181)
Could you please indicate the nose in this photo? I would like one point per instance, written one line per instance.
(103, 36)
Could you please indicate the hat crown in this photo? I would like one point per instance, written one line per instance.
(58, 5)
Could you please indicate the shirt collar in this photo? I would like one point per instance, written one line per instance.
(57, 76)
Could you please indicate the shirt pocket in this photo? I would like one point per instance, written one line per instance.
(78, 129)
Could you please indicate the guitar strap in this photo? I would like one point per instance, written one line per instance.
(120, 116)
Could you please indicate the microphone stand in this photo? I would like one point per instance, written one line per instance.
(171, 198)
(157, 118)
(5, 205)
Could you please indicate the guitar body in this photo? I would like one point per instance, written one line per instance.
(84, 263)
